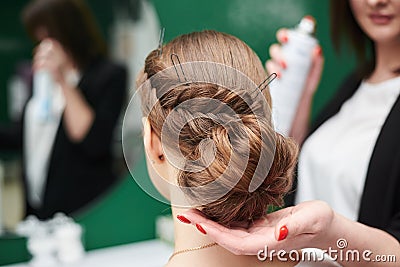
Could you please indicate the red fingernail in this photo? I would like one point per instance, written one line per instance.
(198, 226)
(318, 51)
(278, 74)
(283, 64)
(285, 39)
(283, 232)
(183, 219)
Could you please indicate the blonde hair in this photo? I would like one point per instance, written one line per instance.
(239, 204)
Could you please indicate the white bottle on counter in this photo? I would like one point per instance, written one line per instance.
(286, 92)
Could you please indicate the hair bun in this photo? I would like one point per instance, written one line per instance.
(202, 131)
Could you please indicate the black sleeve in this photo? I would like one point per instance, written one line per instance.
(11, 137)
(392, 196)
(107, 108)
(394, 227)
(383, 210)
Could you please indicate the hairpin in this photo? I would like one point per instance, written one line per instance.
(176, 69)
(161, 41)
(267, 81)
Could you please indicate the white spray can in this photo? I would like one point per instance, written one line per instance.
(43, 87)
(286, 91)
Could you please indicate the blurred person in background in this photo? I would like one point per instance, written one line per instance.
(67, 154)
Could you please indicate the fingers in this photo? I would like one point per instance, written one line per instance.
(196, 217)
(46, 45)
(50, 55)
(290, 225)
(224, 238)
(230, 239)
(277, 62)
(282, 35)
(275, 51)
(238, 241)
(42, 54)
(307, 218)
(315, 74)
(50, 49)
(273, 67)
(317, 56)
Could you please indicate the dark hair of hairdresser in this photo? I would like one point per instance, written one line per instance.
(71, 23)
(344, 27)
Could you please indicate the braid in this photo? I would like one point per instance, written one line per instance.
(221, 138)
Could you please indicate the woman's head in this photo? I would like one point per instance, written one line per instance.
(364, 22)
(225, 135)
(70, 22)
(379, 19)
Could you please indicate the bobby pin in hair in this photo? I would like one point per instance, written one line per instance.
(161, 41)
(176, 69)
(267, 81)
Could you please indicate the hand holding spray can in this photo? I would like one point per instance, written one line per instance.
(286, 92)
(43, 87)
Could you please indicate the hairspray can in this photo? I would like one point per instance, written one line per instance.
(43, 87)
(286, 91)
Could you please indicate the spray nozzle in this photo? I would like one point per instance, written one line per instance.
(307, 25)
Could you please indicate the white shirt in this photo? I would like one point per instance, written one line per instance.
(42, 119)
(334, 160)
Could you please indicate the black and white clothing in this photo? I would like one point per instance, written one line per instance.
(78, 172)
(351, 158)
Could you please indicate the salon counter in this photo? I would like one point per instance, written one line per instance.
(152, 253)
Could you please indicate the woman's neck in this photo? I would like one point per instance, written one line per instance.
(387, 61)
(187, 237)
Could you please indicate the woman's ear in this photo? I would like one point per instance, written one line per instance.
(156, 163)
(152, 143)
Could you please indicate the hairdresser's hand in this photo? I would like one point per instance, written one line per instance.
(304, 225)
(50, 55)
(277, 62)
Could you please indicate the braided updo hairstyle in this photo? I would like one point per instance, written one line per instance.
(240, 205)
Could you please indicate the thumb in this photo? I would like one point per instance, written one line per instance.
(293, 224)
(285, 228)
(315, 73)
(310, 217)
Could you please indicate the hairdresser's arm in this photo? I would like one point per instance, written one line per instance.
(277, 63)
(309, 224)
(78, 114)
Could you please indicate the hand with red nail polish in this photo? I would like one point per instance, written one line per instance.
(277, 63)
(273, 230)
